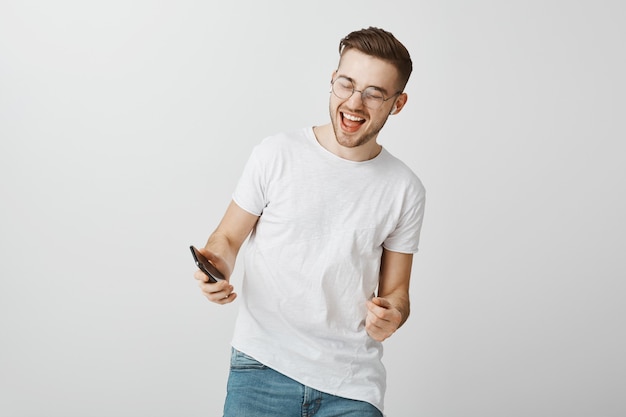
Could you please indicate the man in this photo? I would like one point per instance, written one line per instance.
(332, 218)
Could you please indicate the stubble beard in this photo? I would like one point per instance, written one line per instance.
(349, 142)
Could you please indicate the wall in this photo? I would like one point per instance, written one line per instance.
(124, 126)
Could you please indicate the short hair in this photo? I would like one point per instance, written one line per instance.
(381, 44)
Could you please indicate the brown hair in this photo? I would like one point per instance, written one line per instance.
(381, 44)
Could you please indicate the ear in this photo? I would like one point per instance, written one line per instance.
(332, 77)
(399, 103)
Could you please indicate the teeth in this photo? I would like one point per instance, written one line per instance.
(353, 118)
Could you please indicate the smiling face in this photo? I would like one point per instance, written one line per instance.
(354, 124)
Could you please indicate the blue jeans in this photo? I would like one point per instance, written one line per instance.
(255, 390)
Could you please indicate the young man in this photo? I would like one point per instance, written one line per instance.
(333, 218)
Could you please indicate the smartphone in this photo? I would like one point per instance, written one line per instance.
(205, 266)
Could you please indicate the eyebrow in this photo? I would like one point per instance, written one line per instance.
(382, 90)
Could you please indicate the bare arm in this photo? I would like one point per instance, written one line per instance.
(391, 309)
(222, 248)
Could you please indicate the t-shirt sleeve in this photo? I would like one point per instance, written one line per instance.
(250, 192)
(405, 237)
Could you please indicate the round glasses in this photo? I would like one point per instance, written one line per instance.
(371, 97)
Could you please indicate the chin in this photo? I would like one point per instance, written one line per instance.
(348, 142)
(353, 140)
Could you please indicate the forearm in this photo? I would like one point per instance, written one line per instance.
(391, 309)
(219, 244)
(224, 243)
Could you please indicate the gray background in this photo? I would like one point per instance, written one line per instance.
(124, 126)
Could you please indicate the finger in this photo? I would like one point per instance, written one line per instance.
(201, 276)
(374, 320)
(217, 292)
(229, 299)
(221, 298)
(216, 261)
(377, 318)
(378, 311)
(216, 287)
(373, 328)
(387, 319)
(381, 302)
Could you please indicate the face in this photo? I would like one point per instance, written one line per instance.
(354, 124)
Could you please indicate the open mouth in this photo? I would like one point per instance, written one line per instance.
(350, 122)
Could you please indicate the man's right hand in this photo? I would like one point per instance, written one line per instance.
(221, 250)
(220, 292)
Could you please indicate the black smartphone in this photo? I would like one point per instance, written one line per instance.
(205, 266)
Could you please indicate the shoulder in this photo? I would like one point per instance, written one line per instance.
(281, 148)
(402, 173)
(284, 140)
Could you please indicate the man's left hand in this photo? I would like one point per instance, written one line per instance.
(382, 320)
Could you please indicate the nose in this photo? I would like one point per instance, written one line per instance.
(355, 101)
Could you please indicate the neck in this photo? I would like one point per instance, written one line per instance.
(327, 139)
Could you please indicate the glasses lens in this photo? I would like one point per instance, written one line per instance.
(342, 87)
(372, 98)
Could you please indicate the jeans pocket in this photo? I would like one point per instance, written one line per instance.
(241, 361)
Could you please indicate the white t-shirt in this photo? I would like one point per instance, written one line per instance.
(313, 259)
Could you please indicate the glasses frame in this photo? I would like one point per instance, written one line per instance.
(332, 89)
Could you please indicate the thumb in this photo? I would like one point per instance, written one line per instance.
(381, 302)
(212, 257)
(207, 254)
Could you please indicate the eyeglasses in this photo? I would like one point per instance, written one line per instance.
(371, 97)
